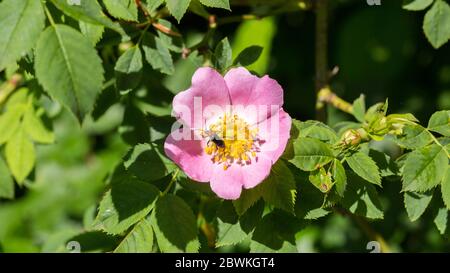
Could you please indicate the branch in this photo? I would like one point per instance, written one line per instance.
(325, 95)
(142, 7)
(321, 56)
(365, 226)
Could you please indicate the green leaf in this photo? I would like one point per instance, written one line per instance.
(135, 127)
(128, 201)
(10, 121)
(445, 188)
(440, 122)
(230, 231)
(275, 228)
(122, 9)
(436, 24)
(407, 118)
(310, 154)
(361, 198)
(343, 126)
(416, 203)
(317, 130)
(321, 179)
(417, 4)
(252, 217)
(223, 56)
(424, 168)
(365, 167)
(287, 247)
(129, 69)
(259, 33)
(248, 56)
(153, 5)
(35, 128)
(69, 68)
(177, 8)
(92, 241)
(247, 199)
(173, 42)
(175, 225)
(413, 137)
(148, 163)
(89, 11)
(94, 33)
(376, 111)
(20, 155)
(19, 98)
(359, 108)
(387, 166)
(441, 220)
(315, 214)
(224, 4)
(197, 8)
(339, 177)
(309, 199)
(157, 54)
(138, 240)
(6, 182)
(279, 188)
(21, 23)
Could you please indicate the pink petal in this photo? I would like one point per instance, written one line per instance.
(248, 90)
(256, 172)
(208, 85)
(240, 84)
(189, 155)
(275, 136)
(228, 183)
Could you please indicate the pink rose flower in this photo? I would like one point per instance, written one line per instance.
(233, 129)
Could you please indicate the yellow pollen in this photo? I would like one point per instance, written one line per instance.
(231, 140)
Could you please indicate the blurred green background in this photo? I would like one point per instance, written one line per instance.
(381, 51)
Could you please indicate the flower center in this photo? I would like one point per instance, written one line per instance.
(231, 140)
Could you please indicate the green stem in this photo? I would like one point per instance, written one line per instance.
(108, 84)
(142, 34)
(172, 181)
(49, 16)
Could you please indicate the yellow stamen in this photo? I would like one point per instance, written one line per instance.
(240, 142)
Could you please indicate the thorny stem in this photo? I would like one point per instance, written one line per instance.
(321, 55)
(8, 87)
(368, 230)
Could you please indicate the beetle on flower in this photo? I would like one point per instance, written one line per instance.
(233, 129)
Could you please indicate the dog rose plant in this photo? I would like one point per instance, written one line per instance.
(233, 129)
